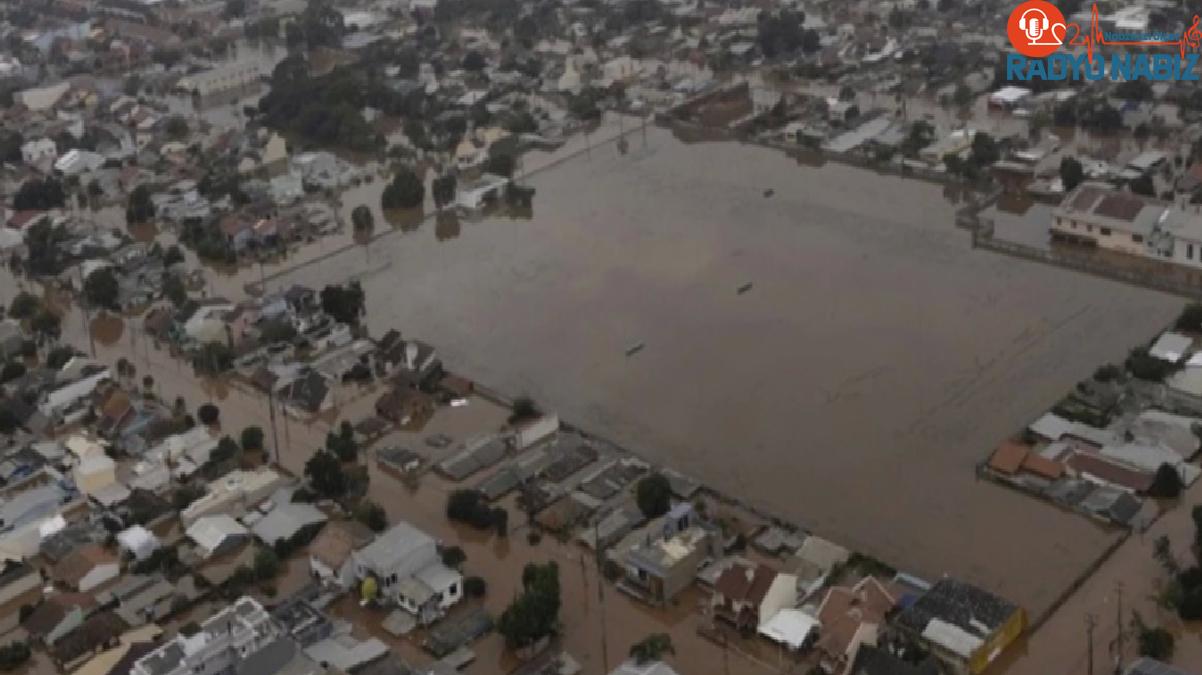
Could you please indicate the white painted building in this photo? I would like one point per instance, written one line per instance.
(223, 641)
(39, 150)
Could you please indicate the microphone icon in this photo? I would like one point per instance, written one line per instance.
(1034, 23)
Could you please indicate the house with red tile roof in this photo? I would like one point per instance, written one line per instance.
(851, 616)
(747, 595)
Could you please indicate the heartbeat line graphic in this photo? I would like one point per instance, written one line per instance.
(1190, 40)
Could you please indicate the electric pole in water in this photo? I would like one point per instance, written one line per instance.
(1118, 619)
(1090, 622)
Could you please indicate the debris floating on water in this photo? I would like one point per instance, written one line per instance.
(769, 192)
(635, 349)
(745, 287)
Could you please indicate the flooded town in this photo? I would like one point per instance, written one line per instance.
(638, 337)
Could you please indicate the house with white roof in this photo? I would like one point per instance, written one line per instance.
(215, 535)
(408, 570)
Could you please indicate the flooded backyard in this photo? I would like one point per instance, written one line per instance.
(874, 361)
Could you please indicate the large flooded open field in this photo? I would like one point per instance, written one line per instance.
(874, 359)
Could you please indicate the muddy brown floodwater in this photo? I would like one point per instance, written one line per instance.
(875, 360)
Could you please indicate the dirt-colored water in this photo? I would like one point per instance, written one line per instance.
(875, 360)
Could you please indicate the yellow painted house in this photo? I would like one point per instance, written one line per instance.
(962, 625)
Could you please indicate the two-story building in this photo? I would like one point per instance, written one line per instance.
(661, 560)
(408, 570)
(224, 641)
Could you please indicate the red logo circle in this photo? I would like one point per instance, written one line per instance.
(1036, 28)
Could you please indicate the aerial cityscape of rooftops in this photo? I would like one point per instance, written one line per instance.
(600, 337)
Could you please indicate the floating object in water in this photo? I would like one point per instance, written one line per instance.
(769, 192)
(634, 349)
(745, 287)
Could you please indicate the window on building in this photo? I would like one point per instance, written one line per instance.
(1088, 227)
(1137, 238)
(1105, 231)
(1073, 224)
(1189, 251)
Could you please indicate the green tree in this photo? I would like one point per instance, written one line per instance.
(453, 557)
(267, 564)
(344, 303)
(654, 495)
(471, 507)
(59, 356)
(343, 443)
(372, 515)
(24, 305)
(534, 614)
(524, 408)
(652, 648)
(443, 189)
(174, 290)
(140, 208)
(1071, 173)
(475, 587)
(474, 61)
(252, 439)
(14, 655)
(501, 164)
(44, 248)
(362, 219)
(325, 474)
(1190, 318)
(405, 191)
(40, 194)
(46, 324)
(226, 450)
(176, 127)
(101, 288)
(1162, 552)
(173, 255)
(1166, 484)
(984, 149)
(208, 414)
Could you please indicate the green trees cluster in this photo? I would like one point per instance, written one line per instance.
(40, 194)
(342, 443)
(325, 475)
(781, 33)
(443, 190)
(1183, 591)
(404, 191)
(534, 614)
(471, 507)
(101, 289)
(139, 209)
(372, 515)
(252, 439)
(345, 304)
(320, 110)
(44, 249)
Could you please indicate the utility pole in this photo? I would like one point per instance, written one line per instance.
(87, 315)
(1090, 623)
(275, 433)
(1118, 624)
(601, 598)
